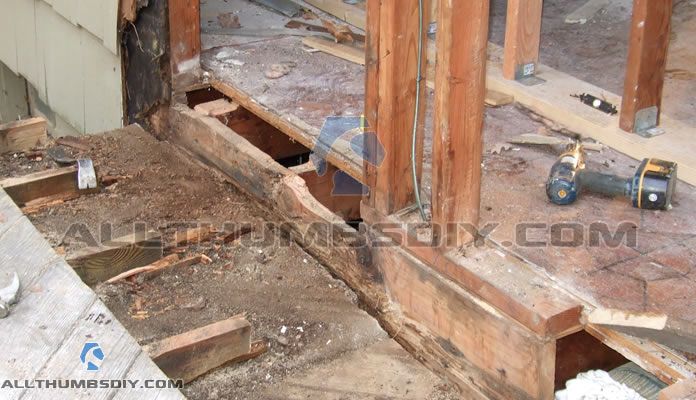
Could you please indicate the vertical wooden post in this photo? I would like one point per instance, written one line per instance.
(184, 35)
(391, 56)
(645, 69)
(460, 84)
(522, 36)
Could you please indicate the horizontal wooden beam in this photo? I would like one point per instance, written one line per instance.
(192, 354)
(23, 135)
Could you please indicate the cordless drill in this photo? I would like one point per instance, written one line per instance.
(651, 188)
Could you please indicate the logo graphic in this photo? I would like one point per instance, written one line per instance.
(92, 356)
(352, 131)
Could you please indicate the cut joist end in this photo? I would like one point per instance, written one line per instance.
(192, 354)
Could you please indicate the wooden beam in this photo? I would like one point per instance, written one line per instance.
(22, 135)
(460, 85)
(111, 258)
(522, 36)
(184, 35)
(391, 99)
(192, 354)
(49, 183)
(645, 71)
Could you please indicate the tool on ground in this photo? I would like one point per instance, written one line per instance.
(8, 296)
(595, 102)
(86, 176)
(651, 187)
(535, 139)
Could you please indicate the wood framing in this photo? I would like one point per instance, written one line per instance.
(460, 88)
(184, 35)
(392, 68)
(645, 68)
(522, 37)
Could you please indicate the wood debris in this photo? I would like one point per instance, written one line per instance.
(341, 33)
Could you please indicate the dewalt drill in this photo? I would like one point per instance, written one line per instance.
(651, 188)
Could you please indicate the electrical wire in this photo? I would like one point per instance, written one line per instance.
(416, 112)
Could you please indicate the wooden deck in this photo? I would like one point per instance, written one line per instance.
(55, 316)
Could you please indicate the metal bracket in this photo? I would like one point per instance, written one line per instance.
(525, 74)
(86, 176)
(646, 120)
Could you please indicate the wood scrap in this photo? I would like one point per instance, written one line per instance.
(535, 139)
(72, 141)
(295, 24)
(110, 180)
(667, 330)
(23, 135)
(172, 261)
(194, 353)
(341, 33)
(34, 206)
(195, 235)
(216, 108)
(111, 258)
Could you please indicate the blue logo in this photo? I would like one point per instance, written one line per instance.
(352, 131)
(91, 356)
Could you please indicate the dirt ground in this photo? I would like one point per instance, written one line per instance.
(321, 344)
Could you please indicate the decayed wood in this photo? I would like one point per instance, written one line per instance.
(159, 264)
(98, 264)
(22, 135)
(192, 354)
(684, 390)
(216, 108)
(184, 35)
(394, 70)
(522, 36)
(322, 188)
(647, 59)
(54, 182)
(37, 205)
(195, 235)
(460, 86)
(311, 224)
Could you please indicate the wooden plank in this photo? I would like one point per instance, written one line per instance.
(684, 390)
(460, 86)
(216, 108)
(552, 100)
(98, 264)
(647, 59)
(192, 354)
(60, 181)
(184, 35)
(23, 135)
(149, 271)
(391, 183)
(522, 38)
(504, 282)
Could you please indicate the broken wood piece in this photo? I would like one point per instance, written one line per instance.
(341, 33)
(172, 261)
(23, 135)
(535, 139)
(194, 235)
(216, 108)
(669, 331)
(192, 354)
(111, 258)
(357, 56)
(37, 205)
(60, 181)
(168, 260)
(585, 12)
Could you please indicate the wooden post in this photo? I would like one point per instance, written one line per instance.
(184, 35)
(522, 35)
(645, 71)
(460, 84)
(391, 59)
